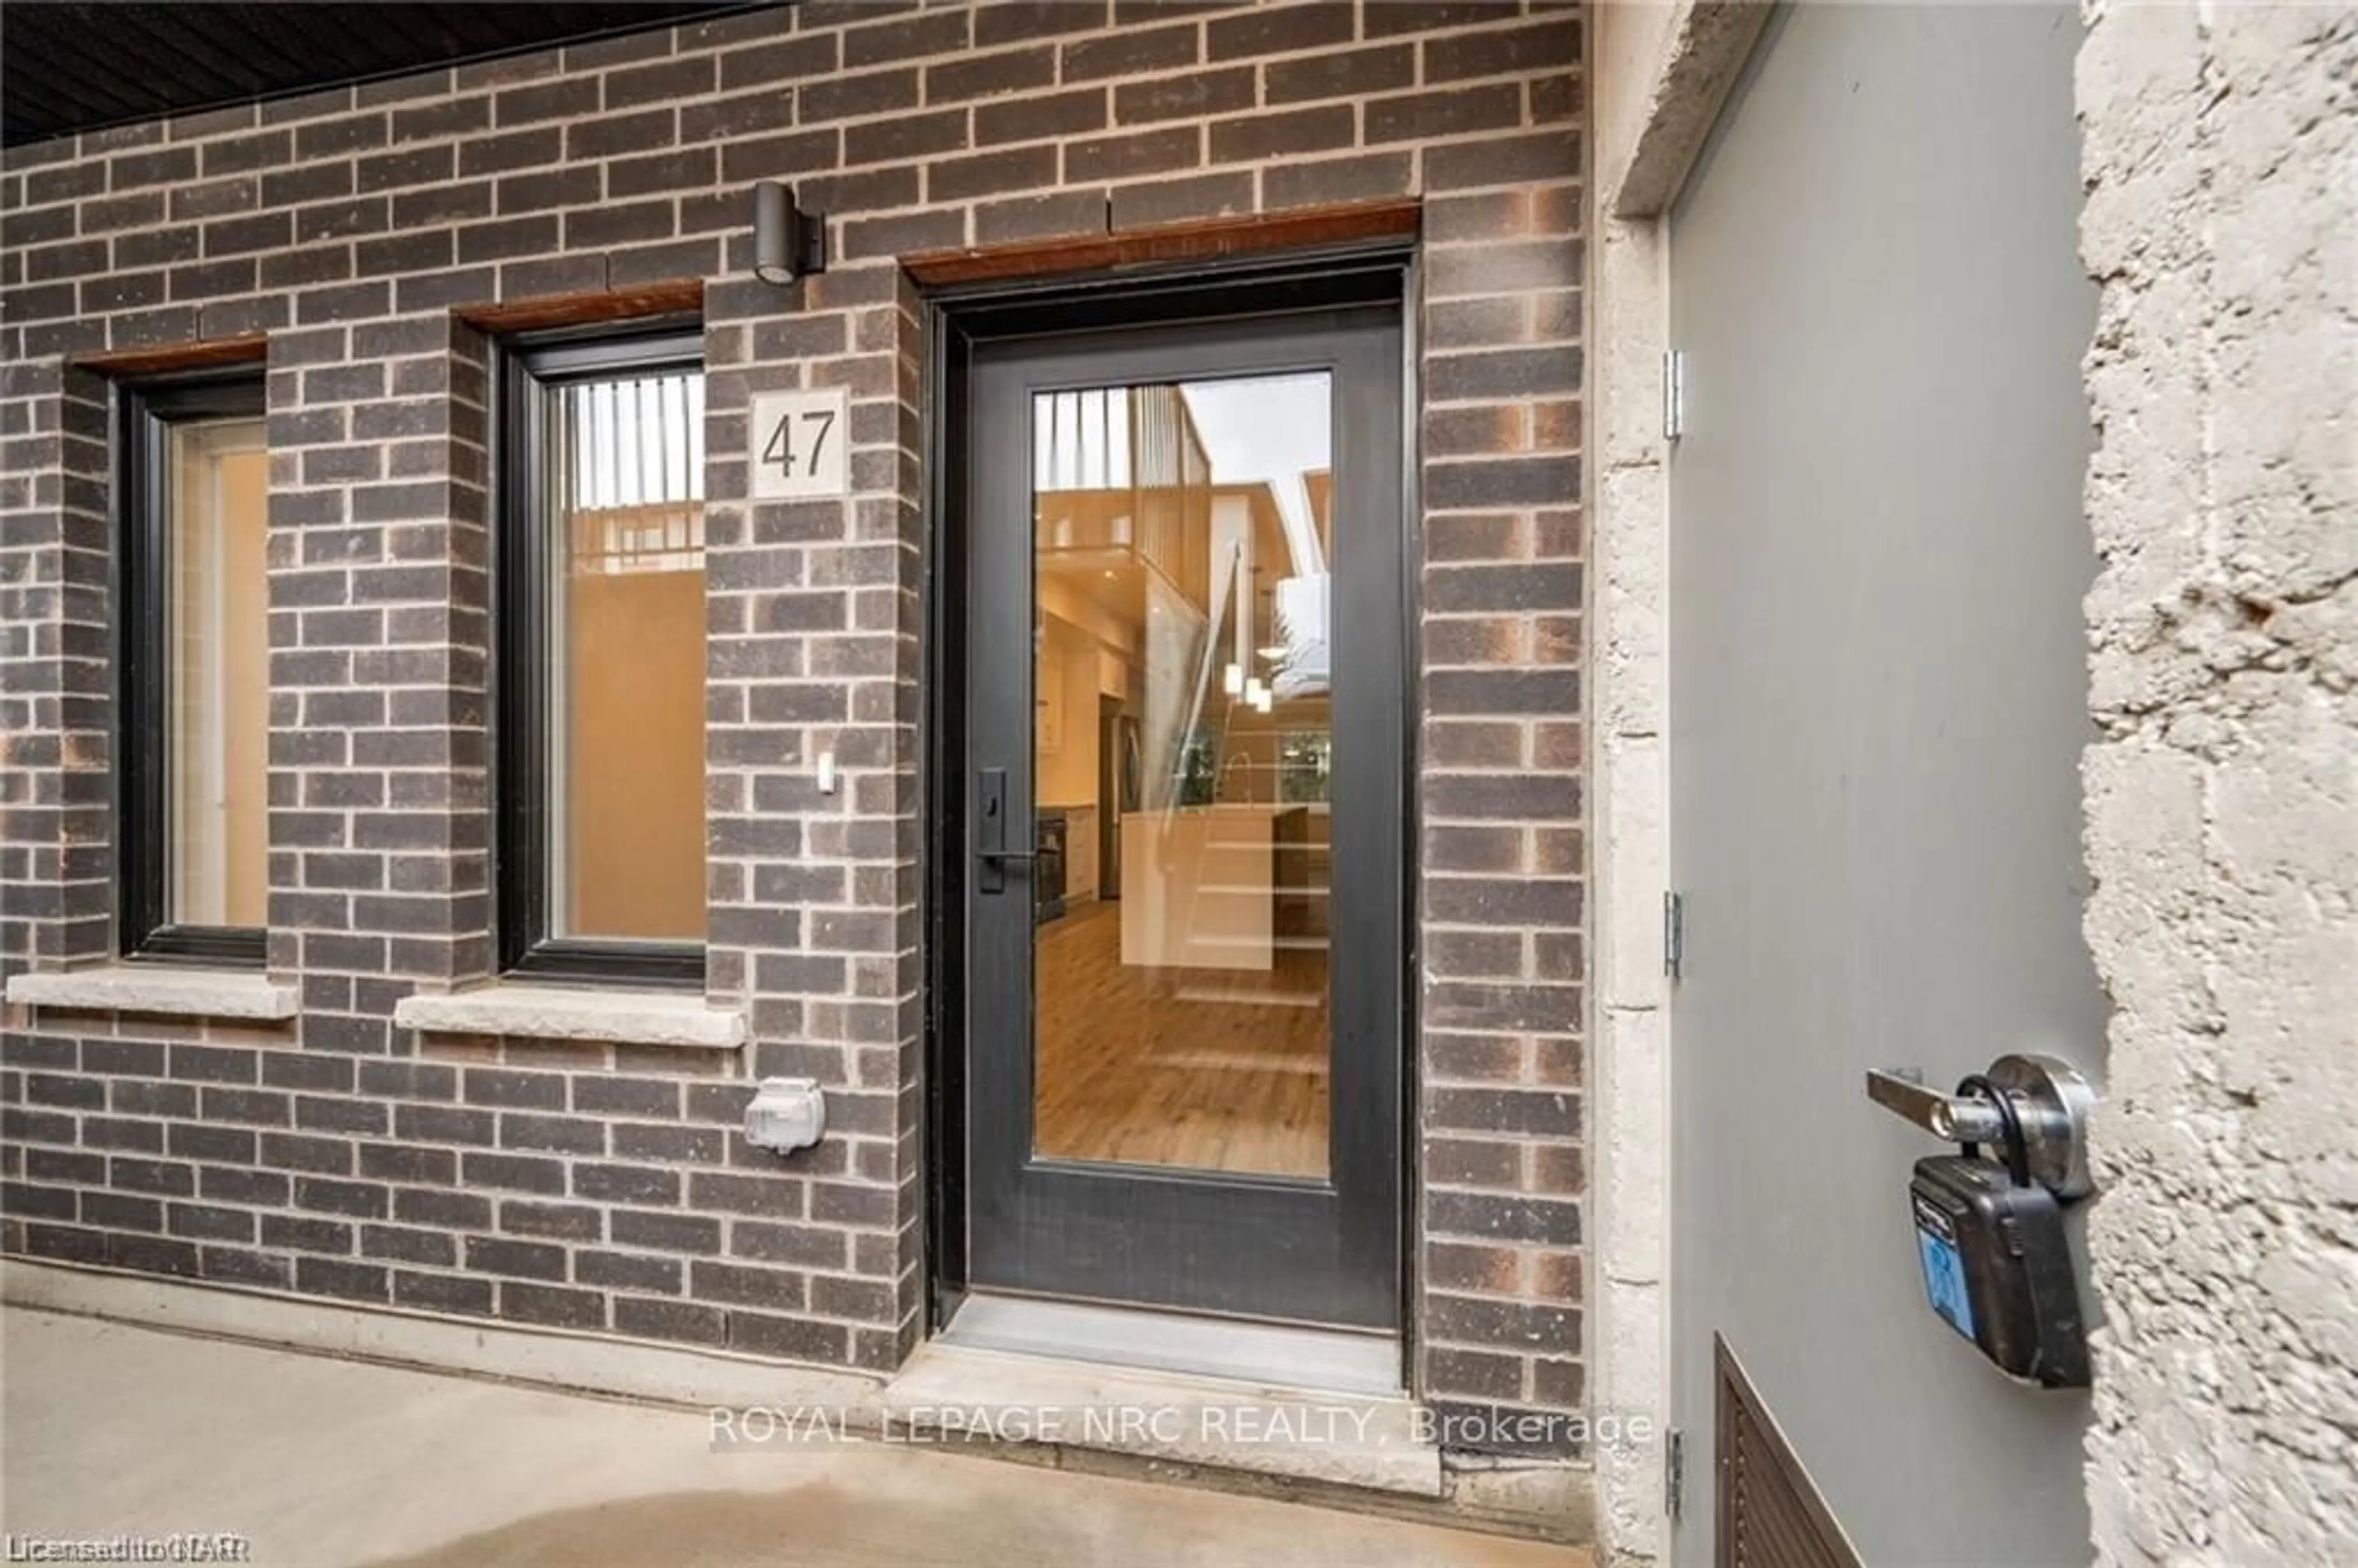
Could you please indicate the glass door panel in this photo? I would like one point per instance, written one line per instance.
(1181, 994)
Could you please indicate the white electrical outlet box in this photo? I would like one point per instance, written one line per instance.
(786, 1113)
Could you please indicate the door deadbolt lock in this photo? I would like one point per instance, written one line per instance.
(1989, 1232)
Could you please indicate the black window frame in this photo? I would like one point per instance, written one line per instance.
(145, 415)
(523, 856)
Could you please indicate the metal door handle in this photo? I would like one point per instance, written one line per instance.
(1950, 1117)
(2052, 1102)
(991, 848)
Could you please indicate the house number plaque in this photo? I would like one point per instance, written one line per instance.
(801, 444)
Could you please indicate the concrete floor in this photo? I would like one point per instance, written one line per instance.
(108, 1430)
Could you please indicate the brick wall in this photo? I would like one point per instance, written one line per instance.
(601, 1188)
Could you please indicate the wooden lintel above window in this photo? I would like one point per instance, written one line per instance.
(1201, 240)
(166, 359)
(674, 297)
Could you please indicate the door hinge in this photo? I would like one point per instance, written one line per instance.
(1674, 934)
(1674, 393)
(1674, 1472)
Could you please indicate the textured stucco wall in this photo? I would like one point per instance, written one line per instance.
(2223, 794)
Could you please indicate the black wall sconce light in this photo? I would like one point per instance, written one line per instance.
(788, 243)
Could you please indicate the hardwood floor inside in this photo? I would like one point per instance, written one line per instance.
(1208, 1069)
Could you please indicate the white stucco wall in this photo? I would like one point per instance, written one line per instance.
(2220, 154)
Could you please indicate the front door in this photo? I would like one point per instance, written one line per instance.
(1182, 974)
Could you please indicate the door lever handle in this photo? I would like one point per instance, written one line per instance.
(1949, 1118)
(2052, 1102)
(992, 813)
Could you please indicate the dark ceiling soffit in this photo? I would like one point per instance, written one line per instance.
(72, 67)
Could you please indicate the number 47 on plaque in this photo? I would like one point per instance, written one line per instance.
(801, 443)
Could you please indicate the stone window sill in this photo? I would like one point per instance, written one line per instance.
(601, 1015)
(159, 988)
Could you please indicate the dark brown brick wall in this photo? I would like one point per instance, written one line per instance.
(603, 1188)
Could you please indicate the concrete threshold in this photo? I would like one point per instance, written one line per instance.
(1350, 1440)
(1283, 1355)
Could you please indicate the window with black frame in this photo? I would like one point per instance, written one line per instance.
(600, 599)
(193, 669)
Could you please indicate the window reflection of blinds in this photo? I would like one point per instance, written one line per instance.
(634, 472)
(1081, 439)
(637, 441)
(1115, 438)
